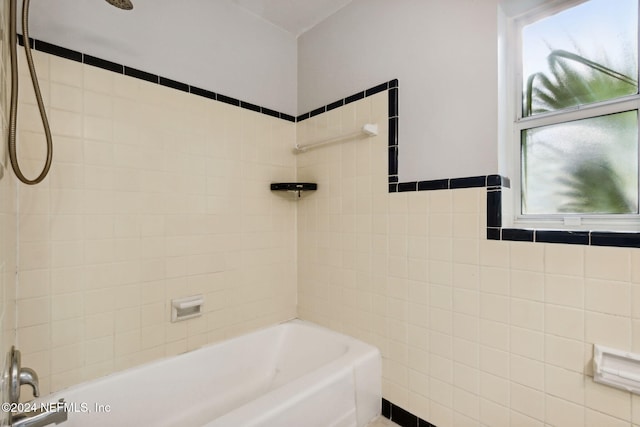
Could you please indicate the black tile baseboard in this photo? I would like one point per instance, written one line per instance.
(401, 416)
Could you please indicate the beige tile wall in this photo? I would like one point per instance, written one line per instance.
(8, 228)
(154, 194)
(473, 332)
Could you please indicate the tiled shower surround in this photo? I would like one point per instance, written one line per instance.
(156, 193)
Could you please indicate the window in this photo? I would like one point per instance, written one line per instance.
(577, 115)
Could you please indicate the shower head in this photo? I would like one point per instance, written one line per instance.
(121, 4)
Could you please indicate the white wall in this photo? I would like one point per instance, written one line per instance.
(214, 45)
(444, 54)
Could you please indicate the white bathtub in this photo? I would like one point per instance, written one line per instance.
(293, 374)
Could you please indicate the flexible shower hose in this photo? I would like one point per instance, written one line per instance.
(13, 112)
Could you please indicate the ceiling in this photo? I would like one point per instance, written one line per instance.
(294, 16)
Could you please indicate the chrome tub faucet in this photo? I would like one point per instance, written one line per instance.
(17, 376)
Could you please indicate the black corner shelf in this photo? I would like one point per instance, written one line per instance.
(295, 187)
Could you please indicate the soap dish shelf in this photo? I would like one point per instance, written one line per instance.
(294, 187)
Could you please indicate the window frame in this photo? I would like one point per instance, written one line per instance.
(518, 123)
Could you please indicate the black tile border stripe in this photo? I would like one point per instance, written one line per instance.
(317, 111)
(349, 99)
(401, 416)
(57, 50)
(353, 98)
(142, 75)
(459, 183)
(204, 93)
(84, 58)
(516, 234)
(625, 240)
(228, 100)
(376, 89)
(468, 182)
(173, 84)
(493, 183)
(568, 237)
(302, 117)
(251, 107)
(335, 105)
(101, 63)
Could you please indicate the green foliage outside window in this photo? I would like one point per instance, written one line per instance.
(586, 166)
